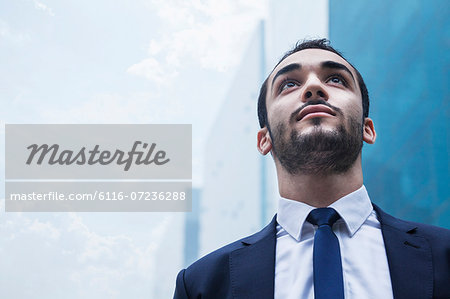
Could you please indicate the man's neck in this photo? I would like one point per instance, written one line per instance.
(319, 190)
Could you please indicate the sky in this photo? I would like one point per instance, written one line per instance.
(148, 61)
(122, 61)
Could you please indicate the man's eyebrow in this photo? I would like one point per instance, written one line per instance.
(288, 68)
(336, 65)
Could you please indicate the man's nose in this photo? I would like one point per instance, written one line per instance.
(314, 90)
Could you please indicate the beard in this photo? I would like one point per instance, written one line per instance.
(319, 151)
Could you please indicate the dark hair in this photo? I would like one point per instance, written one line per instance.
(323, 44)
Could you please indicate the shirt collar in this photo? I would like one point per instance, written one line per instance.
(354, 209)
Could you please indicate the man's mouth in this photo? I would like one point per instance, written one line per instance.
(315, 111)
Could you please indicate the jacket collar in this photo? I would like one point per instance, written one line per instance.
(409, 257)
(252, 267)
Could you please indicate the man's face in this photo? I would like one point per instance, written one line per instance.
(314, 111)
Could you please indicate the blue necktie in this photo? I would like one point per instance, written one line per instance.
(328, 282)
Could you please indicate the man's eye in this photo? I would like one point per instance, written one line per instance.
(287, 85)
(337, 80)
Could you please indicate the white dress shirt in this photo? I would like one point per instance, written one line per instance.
(364, 261)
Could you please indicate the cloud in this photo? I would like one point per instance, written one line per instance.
(41, 6)
(152, 69)
(60, 255)
(45, 229)
(104, 250)
(144, 107)
(10, 35)
(211, 34)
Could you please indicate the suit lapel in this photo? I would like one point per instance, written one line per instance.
(409, 258)
(252, 267)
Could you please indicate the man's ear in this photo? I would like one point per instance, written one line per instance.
(369, 134)
(264, 142)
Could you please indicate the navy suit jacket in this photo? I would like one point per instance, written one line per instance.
(418, 257)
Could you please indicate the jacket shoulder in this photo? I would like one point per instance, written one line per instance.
(416, 251)
(432, 233)
(211, 273)
(220, 256)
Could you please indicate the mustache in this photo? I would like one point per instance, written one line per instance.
(314, 102)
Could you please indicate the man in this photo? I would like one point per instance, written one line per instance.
(327, 240)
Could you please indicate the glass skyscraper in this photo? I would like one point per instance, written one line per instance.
(401, 49)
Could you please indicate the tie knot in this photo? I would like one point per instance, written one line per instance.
(323, 216)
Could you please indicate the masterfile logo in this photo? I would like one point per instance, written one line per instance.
(91, 157)
(99, 151)
(98, 167)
